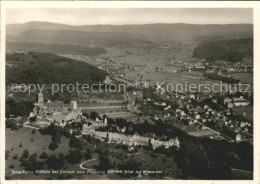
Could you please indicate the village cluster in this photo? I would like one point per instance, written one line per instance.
(202, 115)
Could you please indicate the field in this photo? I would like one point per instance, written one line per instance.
(39, 144)
(248, 110)
(103, 103)
(153, 63)
(181, 82)
(243, 77)
(34, 143)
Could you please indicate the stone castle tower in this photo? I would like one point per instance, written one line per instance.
(40, 99)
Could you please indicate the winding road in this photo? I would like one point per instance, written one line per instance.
(93, 159)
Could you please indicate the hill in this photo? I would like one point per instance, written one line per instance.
(232, 50)
(55, 48)
(71, 37)
(45, 68)
(161, 31)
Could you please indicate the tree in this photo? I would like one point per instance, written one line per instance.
(32, 164)
(104, 163)
(15, 156)
(85, 114)
(10, 123)
(43, 155)
(74, 156)
(56, 162)
(53, 145)
(131, 164)
(94, 115)
(24, 155)
(88, 154)
(75, 143)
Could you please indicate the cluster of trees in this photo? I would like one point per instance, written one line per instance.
(12, 124)
(56, 132)
(32, 162)
(18, 107)
(215, 76)
(93, 115)
(130, 165)
(233, 50)
(75, 143)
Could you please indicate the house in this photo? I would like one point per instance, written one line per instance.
(192, 96)
(197, 116)
(229, 105)
(107, 80)
(164, 104)
(167, 108)
(226, 100)
(105, 121)
(238, 137)
(243, 102)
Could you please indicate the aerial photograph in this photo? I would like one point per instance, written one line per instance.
(129, 94)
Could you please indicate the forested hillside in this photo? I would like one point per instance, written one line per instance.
(45, 68)
(233, 50)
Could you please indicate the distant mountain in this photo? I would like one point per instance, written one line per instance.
(72, 37)
(13, 29)
(232, 50)
(177, 31)
(45, 68)
(55, 48)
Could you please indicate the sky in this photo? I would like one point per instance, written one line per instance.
(93, 16)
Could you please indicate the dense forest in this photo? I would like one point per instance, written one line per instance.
(233, 50)
(45, 68)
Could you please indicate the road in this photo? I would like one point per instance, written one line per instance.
(124, 81)
(242, 170)
(93, 159)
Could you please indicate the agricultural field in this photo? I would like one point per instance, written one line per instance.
(188, 79)
(243, 77)
(141, 56)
